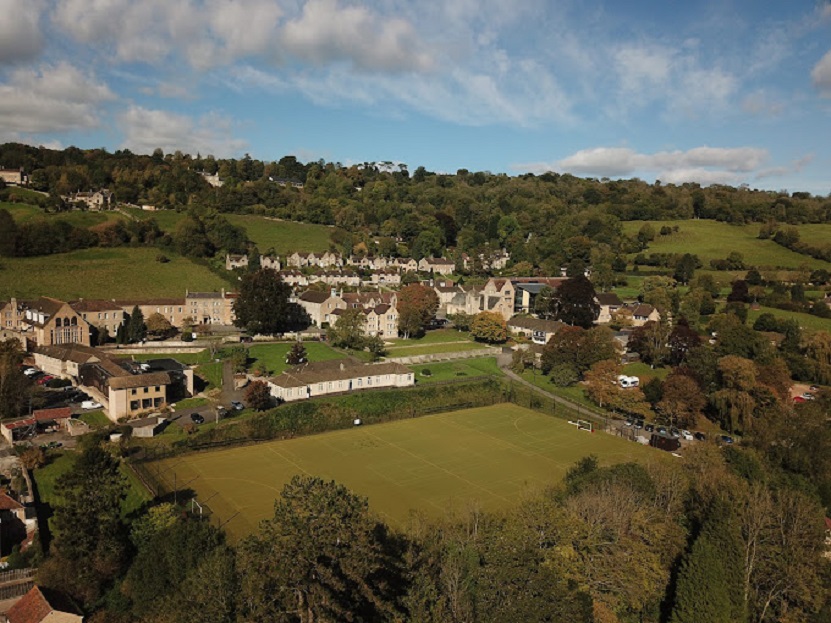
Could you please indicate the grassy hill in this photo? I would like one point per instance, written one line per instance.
(24, 212)
(104, 273)
(712, 240)
(266, 233)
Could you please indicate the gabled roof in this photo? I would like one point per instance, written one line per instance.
(642, 310)
(139, 380)
(535, 324)
(8, 503)
(60, 413)
(312, 296)
(335, 370)
(94, 306)
(609, 298)
(39, 603)
(75, 353)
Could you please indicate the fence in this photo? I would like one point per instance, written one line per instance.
(16, 583)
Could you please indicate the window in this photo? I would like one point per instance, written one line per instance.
(156, 388)
(146, 390)
(133, 392)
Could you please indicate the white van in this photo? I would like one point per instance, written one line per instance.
(628, 381)
(90, 404)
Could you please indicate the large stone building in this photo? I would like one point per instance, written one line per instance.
(44, 321)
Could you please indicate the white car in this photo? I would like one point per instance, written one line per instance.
(686, 435)
(91, 404)
(30, 371)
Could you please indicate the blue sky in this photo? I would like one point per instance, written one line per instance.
(734, 92)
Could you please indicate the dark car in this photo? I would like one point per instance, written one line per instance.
(700, 436)
(196, 418)
(726, 439)
(237, 405)
(650, 428)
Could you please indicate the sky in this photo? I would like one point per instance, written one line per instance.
(726, 91)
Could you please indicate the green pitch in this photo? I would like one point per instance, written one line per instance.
(490, 455)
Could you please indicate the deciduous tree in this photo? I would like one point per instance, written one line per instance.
(489, 327)
(574, 302)
(258, 396)
(348, 330)
(417, 306)
(263, 305)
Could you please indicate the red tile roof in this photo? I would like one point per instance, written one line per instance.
(52, 414)
(39, 603)
(8, 503)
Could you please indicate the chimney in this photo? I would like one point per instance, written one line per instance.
(342, 367)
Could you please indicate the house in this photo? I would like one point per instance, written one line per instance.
(42, 605)
(320, 306)
(173, 309)
(94, 200)
(103, 315)
(387, 277)
(18, 524)
(439, 266)
(446, 294)
(609, 304)
(538, 329)
(332, 377)
(643, 313)
(516, 295)
(294, 278)
(14, 177)
(406, 265)
(270, 262)
(369, 299)
(213, 180)
(41, 420)
(211, 307)
(45, 321)
(233, 262)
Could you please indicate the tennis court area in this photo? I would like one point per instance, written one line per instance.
(491, 455)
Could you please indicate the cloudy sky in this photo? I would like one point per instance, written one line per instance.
(722, 91)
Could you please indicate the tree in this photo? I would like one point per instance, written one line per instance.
(8, 234)
(296, 355)
(33, 457)
(578, 349)
(651, 342)
(258, 396)
(348, 330)
(320, 558)
(739, 292)
(544, 303)
(13, 384)
(601, 382)
(489, 327)
(158, 325)
(417, 305)
(88, 527)
(682, 401)
(681, 339)
(136, 329)
(263, 305)
(685, 269)
(574, 303)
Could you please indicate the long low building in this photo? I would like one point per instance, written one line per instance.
(334, 377)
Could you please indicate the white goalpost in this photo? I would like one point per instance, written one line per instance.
(585, 425)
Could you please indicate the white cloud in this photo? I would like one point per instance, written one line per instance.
(51, 98)
(145, 130)
(642, 68)
(821, 75)
(706, 165)
(762, 103)
(20, 35)
(327, 32)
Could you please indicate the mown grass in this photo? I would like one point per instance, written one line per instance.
(452, 370)
(273, 356)
(202, 356)
(491, 456)
(117, 273)
(95, 419)
(24, 212)
(437, 336)
(644, 372)
(433, 349)
(711, 240)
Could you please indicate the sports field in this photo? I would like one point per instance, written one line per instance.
(491, 455)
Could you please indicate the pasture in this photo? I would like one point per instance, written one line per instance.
(711, 240)
(490, 456)
(104, 273)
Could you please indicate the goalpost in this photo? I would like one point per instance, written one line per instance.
(585, 425)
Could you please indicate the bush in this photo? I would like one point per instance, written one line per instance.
(564, 375)
(426, 372)
(56, 383)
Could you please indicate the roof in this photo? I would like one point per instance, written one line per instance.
(439, 261)
(70, 352)
(335, 370)
(144, 302)
(60, 413)
(8, 503)
(205, 295)
(642, 310)
(311, 296)
(153, 421)
(140, 380)
(535, 324)
(38, 603)
(48, 306)
(608, 298)
(29, 421)
(94, 306)
(533, 288)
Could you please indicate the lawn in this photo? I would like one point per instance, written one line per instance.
(24, 212)
(95, 419)
(46, 478)
(713, 240)
(806, 321)
(574, 393)
(211, 373)
(118, 273)
(433, 349)
(201, 356)
(451, 370)
(644, 372)
(815, 234)
(437, 336)
(491, 455)
(273, 356)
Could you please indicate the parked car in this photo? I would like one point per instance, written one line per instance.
(814, 388)
(649, 428)
(196, 418)
(237, 405)
(638, 424)
(44, 379)
(91, 404)
(727, 439)
(808, 396)
(699, 436)
(686, 435)
(662, 430)
(31, 371)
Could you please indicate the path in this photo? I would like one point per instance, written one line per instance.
(504, 362)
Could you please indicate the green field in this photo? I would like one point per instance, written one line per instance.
(711, 240)
(437, 336)
(273, 356)
(23, 212)
(815, 234)
(491, 455)
(806, 321)
(266, 233)
(433, 349)
(451, 370)
(118, 273)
